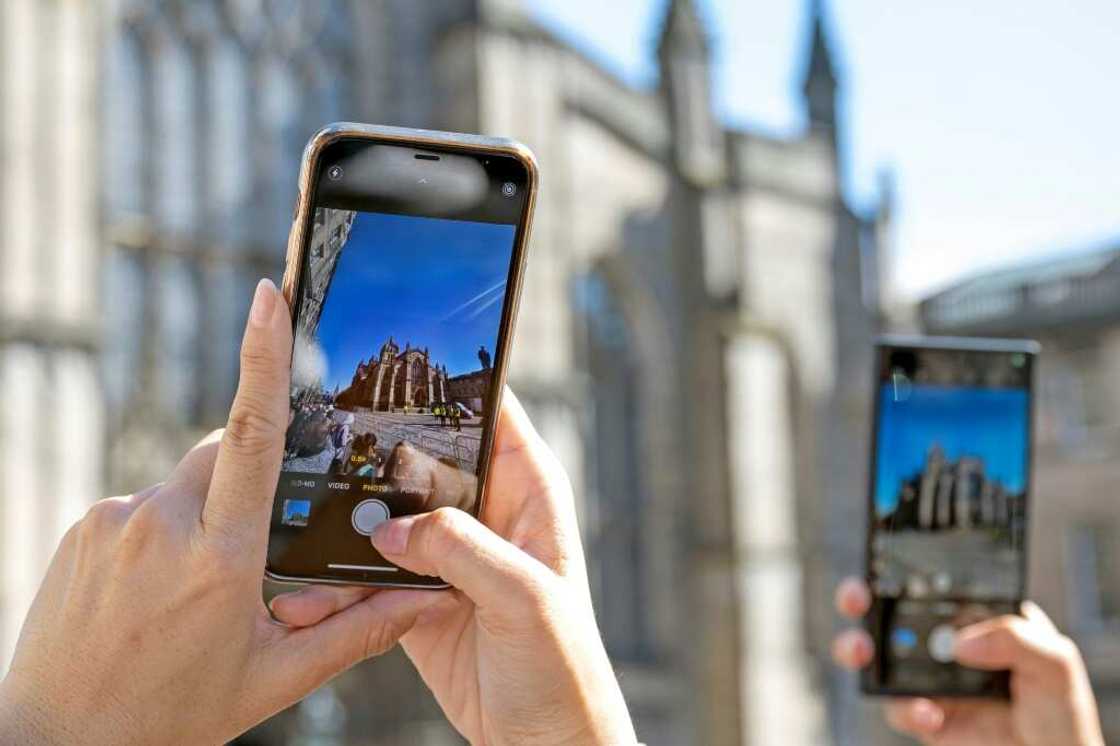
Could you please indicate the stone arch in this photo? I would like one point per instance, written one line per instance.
(199, 177)
(638, 481)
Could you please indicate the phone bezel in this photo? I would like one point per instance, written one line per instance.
(1031, 349)
(299, 239)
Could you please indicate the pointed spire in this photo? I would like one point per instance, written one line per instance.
(684, 31)
(685, 57)
(820, 56)
(885, 181)
(820, 74)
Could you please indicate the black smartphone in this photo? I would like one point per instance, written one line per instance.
(404, 268)
(948, 506)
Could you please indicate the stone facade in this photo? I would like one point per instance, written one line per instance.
(329, 235)
(396, 380)
(947, 496)
(694, 340)
(471, 389)
(50, 340)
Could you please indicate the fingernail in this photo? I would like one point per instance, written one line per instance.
(264, 300)
(391, 537)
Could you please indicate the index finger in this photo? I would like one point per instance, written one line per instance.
(248, 462)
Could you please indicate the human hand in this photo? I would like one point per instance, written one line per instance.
(1051, 700)
(149, 626)
(427, 482)
(513, 654)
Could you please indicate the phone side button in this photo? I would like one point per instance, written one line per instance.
(367, 514)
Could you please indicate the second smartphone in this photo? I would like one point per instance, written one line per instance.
(404, 268)
(948, 505)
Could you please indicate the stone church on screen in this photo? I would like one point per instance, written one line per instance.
(407, 379)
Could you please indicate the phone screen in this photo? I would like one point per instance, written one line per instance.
(949, 489)
(401, 314)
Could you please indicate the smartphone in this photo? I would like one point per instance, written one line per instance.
(948, 506)
(404, 267)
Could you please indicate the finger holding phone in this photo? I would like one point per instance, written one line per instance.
(1051, 699)
(149, 626)
(513, 654)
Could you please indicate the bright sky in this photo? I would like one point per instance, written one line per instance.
(427, 282)
(996, 434)
(999, 118)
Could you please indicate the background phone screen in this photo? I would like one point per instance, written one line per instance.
(398, 331)
(949, 509)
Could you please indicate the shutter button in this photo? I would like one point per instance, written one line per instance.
(367, 514)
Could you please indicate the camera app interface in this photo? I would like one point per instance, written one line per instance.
(949, 492)
(396, 332)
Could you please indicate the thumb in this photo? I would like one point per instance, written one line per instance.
(248, 460)
(453, 545)
(1012, 642)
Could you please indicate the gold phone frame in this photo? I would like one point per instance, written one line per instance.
(298, 240)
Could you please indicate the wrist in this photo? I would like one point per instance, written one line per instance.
(23, 719)
(604, 707)
(586, 706)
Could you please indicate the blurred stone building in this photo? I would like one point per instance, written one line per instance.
(694, 340)
(1072, 306)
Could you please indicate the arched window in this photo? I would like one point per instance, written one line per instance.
(123, 293)
(124, 200)
(616, 541)
(123, 125)
(179, 322)
(282, 139)
(173, 91)
(206, 114)
(229, 141)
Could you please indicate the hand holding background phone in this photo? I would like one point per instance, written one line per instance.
(1051, 698)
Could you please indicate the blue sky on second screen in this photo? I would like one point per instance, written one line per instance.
(424, 281)
(933, 415)
(997, 117)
